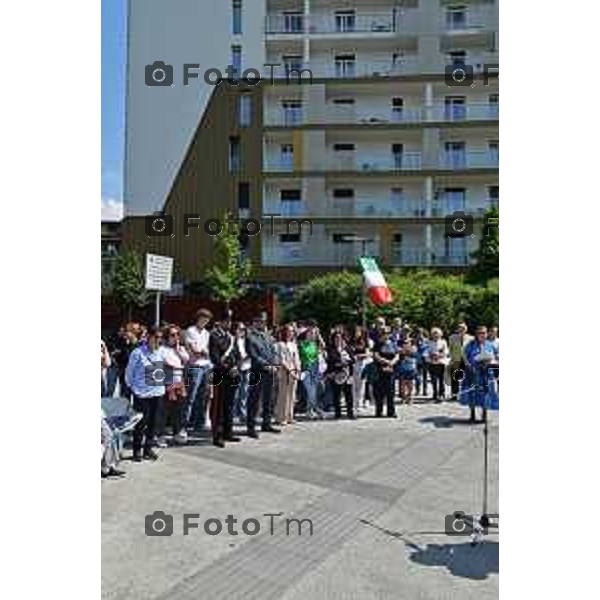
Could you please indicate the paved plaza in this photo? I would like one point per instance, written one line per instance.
(376, 491)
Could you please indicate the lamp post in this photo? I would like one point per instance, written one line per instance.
(351, 239)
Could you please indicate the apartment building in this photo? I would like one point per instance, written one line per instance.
(356, 129)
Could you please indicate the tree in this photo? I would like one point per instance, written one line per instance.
(230, 270)
(487, 256)
(128, 282)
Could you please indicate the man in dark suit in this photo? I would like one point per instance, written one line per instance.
(221, 347)
(264, 361)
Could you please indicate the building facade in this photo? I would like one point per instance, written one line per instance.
(374, 122)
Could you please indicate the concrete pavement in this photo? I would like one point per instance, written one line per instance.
(376, 491)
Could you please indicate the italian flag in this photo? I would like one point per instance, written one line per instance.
(379, 292)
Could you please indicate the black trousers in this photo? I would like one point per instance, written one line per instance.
(456, 376)
(169, 412)
(221, 408)
(437, 380)
(146, 427)
(260, 389)
(346, 390)
(384, 392)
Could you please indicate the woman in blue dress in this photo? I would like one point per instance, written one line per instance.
(480, 386)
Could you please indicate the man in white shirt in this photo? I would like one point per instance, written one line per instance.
(196, 342)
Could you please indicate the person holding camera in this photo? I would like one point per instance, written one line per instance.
(145, 377)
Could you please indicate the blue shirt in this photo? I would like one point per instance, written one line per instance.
(140, 367)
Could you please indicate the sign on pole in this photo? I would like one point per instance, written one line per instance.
(159, 272)
(159, 276)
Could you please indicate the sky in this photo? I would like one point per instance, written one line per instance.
(114, 31)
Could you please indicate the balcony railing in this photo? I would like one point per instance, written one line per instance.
(318, 254)
(285, 208)
(464, 112)
(420, 256)
(372, 24)
(343, 70)
(469, 160)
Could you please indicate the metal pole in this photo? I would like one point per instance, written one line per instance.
(364, 298)
(157, 313)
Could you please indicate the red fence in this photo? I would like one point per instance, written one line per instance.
(181, 310)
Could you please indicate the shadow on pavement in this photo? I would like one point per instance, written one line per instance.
(462, 559)
(443, 421)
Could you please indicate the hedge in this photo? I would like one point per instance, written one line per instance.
(422, 298)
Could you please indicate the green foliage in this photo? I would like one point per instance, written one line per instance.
(422, 298)
(487, 256)
(127, 282)
(229, 271)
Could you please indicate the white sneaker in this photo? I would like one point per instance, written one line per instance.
(181, 437)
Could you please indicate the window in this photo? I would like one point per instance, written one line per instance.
(344, 65)
(243, 196)
(455, 154)
(454, 199)
(293, 22)
(290, 195)
(457, 57)
(345, 20)
(455, 250)
(493, 105)
(289, 238)
(342, 238)
(245, 110)
(236, 60)
(456, 17)
(397, 109)
(292, 62)
(344, 147)
(344, 101)
(237, 17)
(494, 151)
(396, 200)
(287, 155)
(455, 108)
(493, 193)
(397, 151)
(234, 154)
(343, 193)
(292, 111)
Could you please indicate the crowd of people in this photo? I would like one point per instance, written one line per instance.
(222, 375)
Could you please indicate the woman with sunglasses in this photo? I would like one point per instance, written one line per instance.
(176, 358)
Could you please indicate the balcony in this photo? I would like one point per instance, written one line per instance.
(421, 257)
(320, 253)
(469, 160)
(408, 65)
(465, 112)
(348, 24)
(285, 208)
